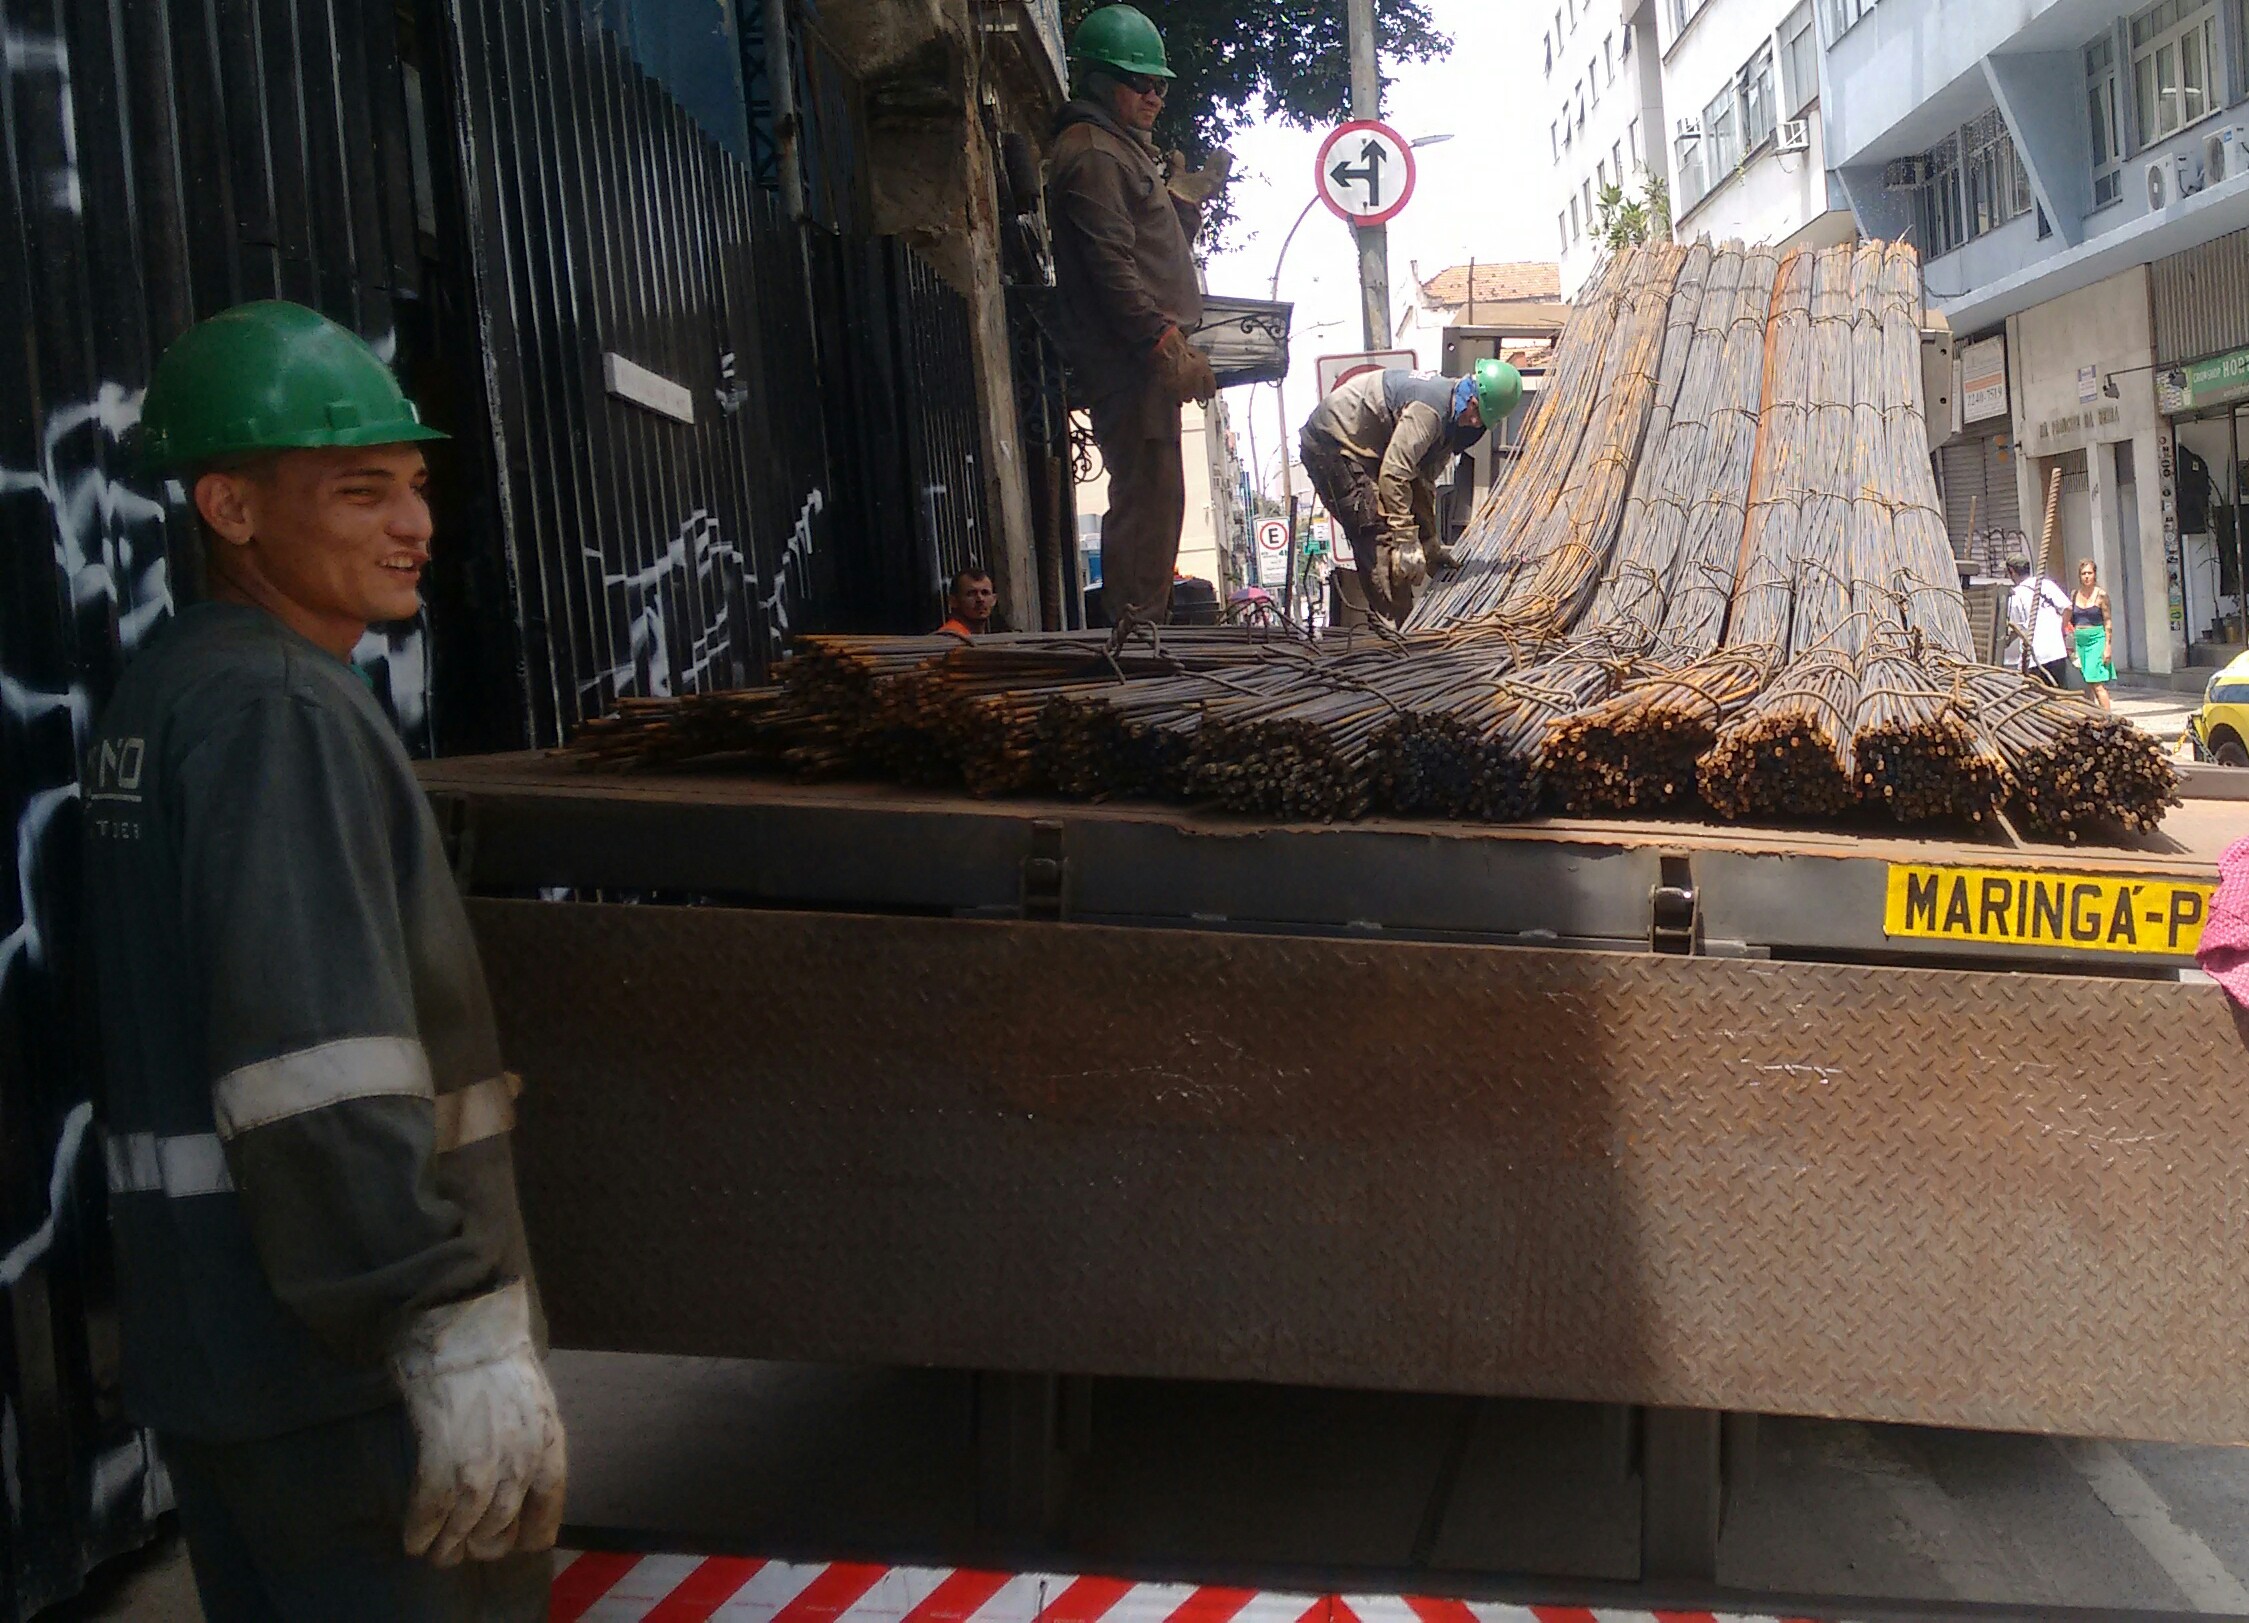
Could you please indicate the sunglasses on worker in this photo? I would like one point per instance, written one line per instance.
(1141, 84)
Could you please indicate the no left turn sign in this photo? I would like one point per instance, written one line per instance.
(1365, 172)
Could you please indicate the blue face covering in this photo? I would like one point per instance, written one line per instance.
(1465, 392)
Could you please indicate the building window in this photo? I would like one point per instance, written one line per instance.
(1937, 201)
(1998, 187)
(1683, 12)
(1554, 134)
(1687, 165)
(2174, 66)
(1550, 55)
(1756, 84)
(1575, 227)
(1601, 173)
(1563, 220)
(1616, 160)
(1799, 60)
(1608, 57)
(1842, 14)
(1721, 134)
(1632, 141)
(1589, 201)
(1565, 125)
(2102, 109)
(1593, 80)
(1625, 50)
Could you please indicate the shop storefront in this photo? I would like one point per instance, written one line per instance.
(2206, 402)
(1976, 467)
(2200, 302)
(2089, 447)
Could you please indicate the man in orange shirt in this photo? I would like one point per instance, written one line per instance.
(969, 605)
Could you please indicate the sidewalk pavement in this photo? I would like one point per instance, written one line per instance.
(2161, 711)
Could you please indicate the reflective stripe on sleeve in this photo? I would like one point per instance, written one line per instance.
(481, 1110)
(182, 1164)
(312, 1078)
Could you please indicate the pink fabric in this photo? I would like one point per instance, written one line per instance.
(2224, 953)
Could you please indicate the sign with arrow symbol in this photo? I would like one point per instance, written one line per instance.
(1365, 172)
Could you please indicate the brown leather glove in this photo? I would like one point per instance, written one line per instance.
(1198, 186)
(1182, 367)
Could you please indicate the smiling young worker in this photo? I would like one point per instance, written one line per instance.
(328, 1310)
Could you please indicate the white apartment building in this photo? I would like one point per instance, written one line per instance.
(1718, 99)
(1741, 86)
(1605, 124)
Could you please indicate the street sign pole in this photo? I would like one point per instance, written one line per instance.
(1374, 240)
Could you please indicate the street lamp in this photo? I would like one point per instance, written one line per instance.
(1280, 392)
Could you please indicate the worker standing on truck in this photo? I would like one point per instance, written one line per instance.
(1374, 448)
(327, 1306)
(1123, 221)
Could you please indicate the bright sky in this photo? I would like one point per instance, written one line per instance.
(1481, 195)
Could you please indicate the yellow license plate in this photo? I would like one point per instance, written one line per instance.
(2020, 907)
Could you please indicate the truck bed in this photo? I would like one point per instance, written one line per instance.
(540, 821)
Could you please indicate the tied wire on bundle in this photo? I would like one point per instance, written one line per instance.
(2073, 771)
(1639, 750)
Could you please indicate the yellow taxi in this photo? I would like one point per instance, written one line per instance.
(2221, 726)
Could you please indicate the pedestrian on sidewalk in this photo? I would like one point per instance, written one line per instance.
(2090, 624)
(2037, 609)
(2224, 949)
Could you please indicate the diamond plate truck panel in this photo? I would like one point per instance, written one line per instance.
(1952, 1197)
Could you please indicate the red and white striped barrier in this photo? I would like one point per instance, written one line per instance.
(596, 1587)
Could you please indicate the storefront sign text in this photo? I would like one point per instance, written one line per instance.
(2215, 380)
(2077, 422)
(1983, 380)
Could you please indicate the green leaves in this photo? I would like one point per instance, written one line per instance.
(1622, 222)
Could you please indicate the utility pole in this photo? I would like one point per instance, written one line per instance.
(1374, 240)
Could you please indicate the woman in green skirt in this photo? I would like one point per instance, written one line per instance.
(2089, 626)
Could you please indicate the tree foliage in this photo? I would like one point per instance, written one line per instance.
(1279, 59)
(1622, 222)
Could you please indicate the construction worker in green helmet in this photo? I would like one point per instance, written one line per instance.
(327, 1307)
(1374, 450)
(1123, 218)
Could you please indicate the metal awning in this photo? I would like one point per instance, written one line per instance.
(1246, 339)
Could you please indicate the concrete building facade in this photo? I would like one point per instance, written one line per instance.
(1741, 88)
(2073, 172)
(1605, 124)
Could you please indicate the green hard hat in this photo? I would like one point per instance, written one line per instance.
(1499, 390)
(270, 376)
(1123, 38)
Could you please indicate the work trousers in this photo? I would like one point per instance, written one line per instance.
(1138, 433)
(305, 1528)
(1348, 491)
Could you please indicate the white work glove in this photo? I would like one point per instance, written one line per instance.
(1409, 568)
(488, 1451)
(1198, 186)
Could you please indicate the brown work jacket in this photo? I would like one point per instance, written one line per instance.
(1124, 269)
(1398, 427)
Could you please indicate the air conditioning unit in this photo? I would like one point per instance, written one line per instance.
(1794, 135)
(1905, 174)
(2171, 177)
(2225, 153)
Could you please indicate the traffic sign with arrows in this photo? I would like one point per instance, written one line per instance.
(1365, 172)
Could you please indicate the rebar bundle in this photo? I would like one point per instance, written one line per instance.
(1715, 569)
